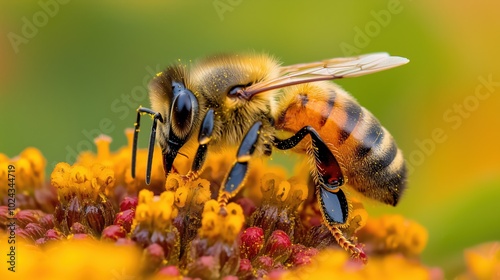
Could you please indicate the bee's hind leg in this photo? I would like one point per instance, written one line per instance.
(236, 176)
(334, 209)
(327, 173)
(334, 206)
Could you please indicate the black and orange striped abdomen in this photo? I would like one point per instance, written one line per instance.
(367, 153)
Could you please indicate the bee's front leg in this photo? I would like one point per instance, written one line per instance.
(328, 176)
(204, 137)
(152, 138)
(236, 176)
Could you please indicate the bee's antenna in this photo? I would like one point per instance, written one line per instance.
(156, 116)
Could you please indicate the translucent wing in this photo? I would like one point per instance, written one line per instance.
(335, 68)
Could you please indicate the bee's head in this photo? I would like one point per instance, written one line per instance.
(179, 107)
(222, 78)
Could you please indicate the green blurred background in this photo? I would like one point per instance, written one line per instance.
(72, 70)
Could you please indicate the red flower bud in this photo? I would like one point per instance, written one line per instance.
(53, 234)
(252, 240)
(247, 205)
(276, 274)
(245, 265)
(4, 216)
(78, 228)
(264, 262)
(113, 232)
(23, 234)
(81, 236)
(41, 241)
(301, 254)
(47, 221)
(170, 271)
(73, 212)
(25, 217)
(34, 231)
(95, 219)
(154, 256)
(278, 246)
(128, 203)
(245, 270)
(125, 219)
(125, 242)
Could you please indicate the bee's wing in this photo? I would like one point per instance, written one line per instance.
(303, 66)
(328, 70)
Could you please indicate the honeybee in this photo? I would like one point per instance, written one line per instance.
(247, 101)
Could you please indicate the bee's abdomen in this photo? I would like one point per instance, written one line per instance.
(375, 165)
(369, 156)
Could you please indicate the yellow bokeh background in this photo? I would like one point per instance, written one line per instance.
(82, 70)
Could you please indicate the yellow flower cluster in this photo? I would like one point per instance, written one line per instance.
(220, 223)
(74, 259)
(335, 262)
(80, 181)
(155, 212)
(120, 163)
(182, 231)
(483, 262)
(188, 193)
(393, 233)
(283, 193)
(29, 171)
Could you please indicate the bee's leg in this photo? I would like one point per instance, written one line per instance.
(327, 171)
(236, 176)
(328, 175)
(334, 209)
(152, 138)
(204, 138)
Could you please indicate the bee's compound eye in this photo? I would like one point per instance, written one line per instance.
(184, 105)
(176, 87)
(235, 91)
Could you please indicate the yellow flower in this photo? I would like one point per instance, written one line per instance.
(153, 225)
(27, 176)
(335, 262)
(74, 259)
(483, 262)
(81, 181)
(82, 198)
(29, 168)
(273, 227)
(120, 163)
(155, 212)
(216, 224)
(393, 233)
